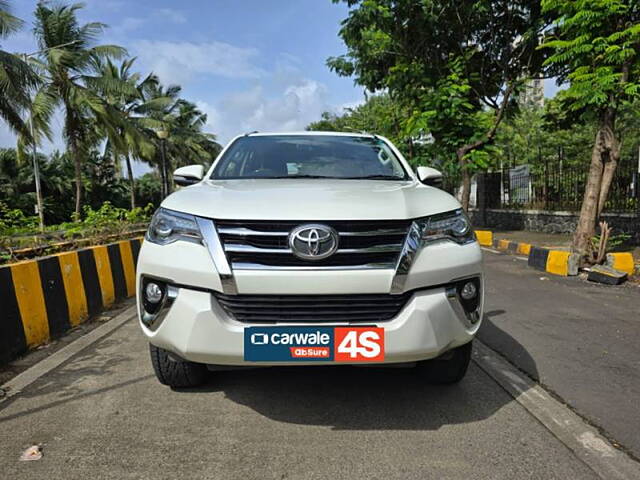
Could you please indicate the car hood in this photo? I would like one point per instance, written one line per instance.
(310, 199)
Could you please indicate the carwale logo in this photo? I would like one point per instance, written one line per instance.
(259, 338)
(291, 344)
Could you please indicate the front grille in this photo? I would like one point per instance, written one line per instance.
(257, 244)
(370, 308)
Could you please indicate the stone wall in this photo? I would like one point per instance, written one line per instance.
(550, 222)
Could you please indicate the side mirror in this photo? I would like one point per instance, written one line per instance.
(188, 175)
(430, 176)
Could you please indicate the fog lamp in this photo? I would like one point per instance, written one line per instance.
(153, 293)
(469, 291)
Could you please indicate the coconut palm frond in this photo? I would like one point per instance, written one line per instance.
(8, 23)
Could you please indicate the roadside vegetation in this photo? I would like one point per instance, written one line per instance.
(450, 83)
(111, 116)
(454, 72)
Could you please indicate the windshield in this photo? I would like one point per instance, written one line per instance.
(309, 156)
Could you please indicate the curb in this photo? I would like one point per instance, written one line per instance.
(622, 261)
(26, 378)
(556, 262)
(45, 297)
(582, 439)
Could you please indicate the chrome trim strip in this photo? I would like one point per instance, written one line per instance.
(411, 246)
(243, 231)
(216, 250)
(247, 232)
(471, 317)
(241, 248)
(153, 320)
(392, 247)
(373, 233)
(258, 266)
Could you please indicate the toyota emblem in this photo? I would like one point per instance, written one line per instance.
(313, 241)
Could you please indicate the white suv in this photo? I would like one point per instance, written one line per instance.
(304, 249)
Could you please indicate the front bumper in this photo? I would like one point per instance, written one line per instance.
(196, 328)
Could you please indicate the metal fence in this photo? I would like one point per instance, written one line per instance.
(558, 189)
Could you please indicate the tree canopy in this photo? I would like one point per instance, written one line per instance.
(450, 62)
(595, 47)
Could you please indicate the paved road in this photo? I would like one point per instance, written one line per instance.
(579, 339)
(103, 415)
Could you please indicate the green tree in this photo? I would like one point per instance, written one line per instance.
(456, 64)
(16, 77)
(124, 91)
(380, 114)
(177, 127)
(67, 56)
(595, 47)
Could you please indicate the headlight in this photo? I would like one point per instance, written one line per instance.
(168, 226)
(452, 225)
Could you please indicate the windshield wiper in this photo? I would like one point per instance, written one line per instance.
(374, 177)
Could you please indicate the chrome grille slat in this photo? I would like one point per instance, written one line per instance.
(374, 233)
(261, 244)
(247, 231)
(234, 247)
(241, 231)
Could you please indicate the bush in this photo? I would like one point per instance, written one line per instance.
(107, 220)
(13, 221)
(21, 238)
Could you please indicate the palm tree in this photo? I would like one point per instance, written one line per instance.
(17, 79)
(124, 92)
(181, 139)
(66, 59)
(189, 144)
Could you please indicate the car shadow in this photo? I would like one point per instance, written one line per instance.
(500, 341)
(359, 398)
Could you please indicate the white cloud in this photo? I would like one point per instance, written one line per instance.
(171, 15)
(128, 24)
(349, 106)
(177, 62)
(290, 108)
(152, 19)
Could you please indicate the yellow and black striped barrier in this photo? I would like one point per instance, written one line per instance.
(484, 237)
(557, 262)
(514, 247)
(43, 298)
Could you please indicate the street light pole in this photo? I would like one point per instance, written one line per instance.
(162, 135)
(163, 145)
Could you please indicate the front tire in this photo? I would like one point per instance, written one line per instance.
(448, 368)
(174, 372)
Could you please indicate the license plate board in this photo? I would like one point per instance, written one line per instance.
(314, 344)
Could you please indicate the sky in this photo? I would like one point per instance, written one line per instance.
(250, 64)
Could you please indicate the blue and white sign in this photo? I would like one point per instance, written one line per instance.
(288, 344)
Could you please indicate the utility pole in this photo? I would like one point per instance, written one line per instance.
(36, 168)
(34, 149)
(36, 176)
